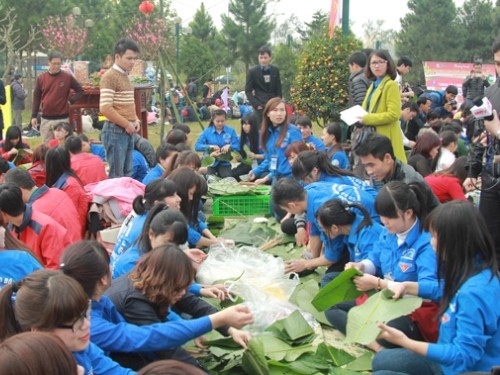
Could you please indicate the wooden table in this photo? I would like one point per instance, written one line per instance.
(90, 99)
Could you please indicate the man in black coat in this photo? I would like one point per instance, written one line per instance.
(263, 82)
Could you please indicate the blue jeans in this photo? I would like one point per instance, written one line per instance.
(119, 147)
(403, 361)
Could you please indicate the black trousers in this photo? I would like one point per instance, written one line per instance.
(489, 206)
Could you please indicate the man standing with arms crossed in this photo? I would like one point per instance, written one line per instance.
(263, 82)
(53, 92)
(117, 104)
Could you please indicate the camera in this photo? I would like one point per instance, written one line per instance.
(453, 104)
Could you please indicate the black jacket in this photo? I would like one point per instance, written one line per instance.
(262, 85)
(358, 85)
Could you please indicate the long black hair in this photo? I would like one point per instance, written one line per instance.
(58, 162)
(252, 138)
(464, 246)
(161, 220)
(13, 132)
(306, 161)
(86, 262)
(338, 212)
(155, 191)
(335, 130)
(185, 179)
(396, 197)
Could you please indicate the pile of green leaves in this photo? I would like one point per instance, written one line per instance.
(208, 160)
(247, 232)
(225, 188)
(286, 348)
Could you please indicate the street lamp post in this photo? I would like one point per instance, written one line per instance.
(178, 21)
(88, 23)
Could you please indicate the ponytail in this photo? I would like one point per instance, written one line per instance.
(8, 324)
(338, 212)
(306, 161)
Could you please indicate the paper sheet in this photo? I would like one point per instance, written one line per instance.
(352, 115)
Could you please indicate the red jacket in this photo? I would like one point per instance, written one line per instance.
(56, 204)
(89, 168)
(71, 186)
(43, 235)
(446, 188)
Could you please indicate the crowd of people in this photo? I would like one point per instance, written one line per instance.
(392, 204)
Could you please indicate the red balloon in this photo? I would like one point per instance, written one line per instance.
(146, 7)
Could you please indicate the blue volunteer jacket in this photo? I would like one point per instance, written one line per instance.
(318, 143)
(195, 231)
(95, 362)
(154, 174)
(112, 333)
(16, 265)
(414, 260)
(320, 192)
(339, 159)
(469, 334)
(210, 136)
(360, 243)
(140, 166)
(129, 232)
(349, 180)
(283, 168)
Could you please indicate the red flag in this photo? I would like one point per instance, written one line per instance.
(335, 13)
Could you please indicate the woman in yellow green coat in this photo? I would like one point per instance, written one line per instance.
(383, 100)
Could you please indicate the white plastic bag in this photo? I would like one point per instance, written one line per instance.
(265, 308)
(249, 265)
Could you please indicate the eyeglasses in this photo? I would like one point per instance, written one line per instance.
(378, 63)
(78, 323)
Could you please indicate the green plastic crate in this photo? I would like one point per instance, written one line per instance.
(242, 205)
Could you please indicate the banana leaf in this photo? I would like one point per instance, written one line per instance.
(279, 350)
(338, 290)
(302, 296)
(293, 368)
(207, 161)
(254, 360)
(338, 357)
(296, 326)
(226, 343)
(381, 307)
(225, 157)
(363, 363)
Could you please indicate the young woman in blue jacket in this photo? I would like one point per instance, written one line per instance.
(350, 222)
(50, 301)
(402, 253)
(469, 333)
(158, 191)
(314, 166)
(276, 134)
(219, 139)
(163, 226)
(332, 138)
(132, 345)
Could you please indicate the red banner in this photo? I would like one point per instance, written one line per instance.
(439, 75)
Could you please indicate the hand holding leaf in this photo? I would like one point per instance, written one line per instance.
(392, 335)
(365, 282)
(240, 337)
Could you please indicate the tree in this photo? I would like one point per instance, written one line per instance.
(315, 27)
(202, 25)
(10, 40)
(375, 31)
(476, 19)
(429, 31)
(246, 29)
(65, 35)
(286, 60)
(321, 87)
(195, 58)
(150, 34)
